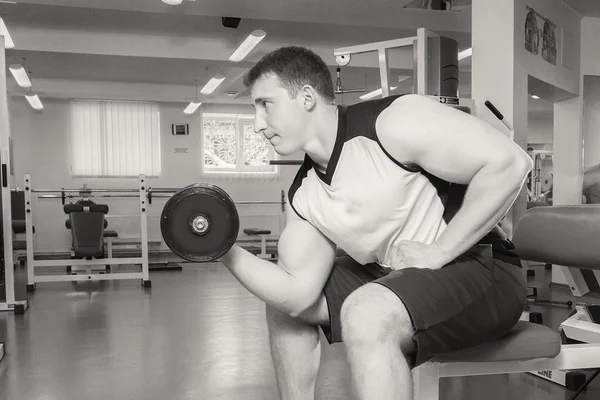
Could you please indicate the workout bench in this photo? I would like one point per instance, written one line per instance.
(563, 235)
(263, 233)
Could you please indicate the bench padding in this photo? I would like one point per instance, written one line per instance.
(563, 235)
(255, 231)
(526, 341)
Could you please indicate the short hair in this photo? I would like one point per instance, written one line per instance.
(295, 67)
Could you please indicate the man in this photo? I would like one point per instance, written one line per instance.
(412, 190)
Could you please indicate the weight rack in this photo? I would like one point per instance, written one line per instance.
(32, 263)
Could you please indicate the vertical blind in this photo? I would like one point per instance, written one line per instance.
(114, 138)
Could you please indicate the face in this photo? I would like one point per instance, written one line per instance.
(281, 119)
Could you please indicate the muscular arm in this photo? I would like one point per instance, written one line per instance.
(297, 280)
(458, 148)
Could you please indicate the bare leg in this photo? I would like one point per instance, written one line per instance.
(296, 350)
(377, 332)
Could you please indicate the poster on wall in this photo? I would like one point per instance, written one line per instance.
(540, 31)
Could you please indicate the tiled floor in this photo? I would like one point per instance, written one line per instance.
(197, 334)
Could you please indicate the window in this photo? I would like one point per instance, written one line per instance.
(114, 139)
(231, 145)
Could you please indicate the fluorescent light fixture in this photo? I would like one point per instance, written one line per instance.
(247, 45)
(465, 53)
(34, 101)
(172, 2)
(8, 42)
(20, 75)
(212, 84)
(375, 93)
(535, 97)
(191, 108)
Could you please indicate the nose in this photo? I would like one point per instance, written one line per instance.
(260, 124)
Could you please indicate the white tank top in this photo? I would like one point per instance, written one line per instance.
(367, 202)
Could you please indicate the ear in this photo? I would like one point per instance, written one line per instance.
(309, 97)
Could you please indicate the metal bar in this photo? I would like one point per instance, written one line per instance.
(258, 202)
(164, 193)
(422, 65)
(84, 190)
(96, 261)
(364, 48)
(571, 357)
(9, 270)
(29, 230)
(286, 162)
(144, 229)
(163, 190)
(384, 73)
(71, 196)
(89, 277)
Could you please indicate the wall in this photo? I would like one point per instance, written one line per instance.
(590, 55)
(590, 68)
(540, 127)
(591, 120)
(41, 148)
(566, 73)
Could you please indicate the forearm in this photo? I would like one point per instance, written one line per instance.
(489, 196)
(266, 280)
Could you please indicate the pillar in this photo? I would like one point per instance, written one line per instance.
(498, 78)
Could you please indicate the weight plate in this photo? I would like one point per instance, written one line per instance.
(200, 222)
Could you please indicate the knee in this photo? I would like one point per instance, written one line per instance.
(374, 314)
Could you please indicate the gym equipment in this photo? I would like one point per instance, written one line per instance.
(541, 235)
(145, 196)
(200, 222)
(568, 228)
(6, 249)
(86, 222)
(432, 53)
(32, 263)
(285, 162)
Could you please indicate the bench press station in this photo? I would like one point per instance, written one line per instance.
(563, 235)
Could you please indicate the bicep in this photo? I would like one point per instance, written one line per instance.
(446, 142)
(307, 255)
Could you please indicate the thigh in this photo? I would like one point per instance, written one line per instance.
(346, 276)
(472, 300)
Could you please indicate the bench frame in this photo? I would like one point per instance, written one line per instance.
(572, 356)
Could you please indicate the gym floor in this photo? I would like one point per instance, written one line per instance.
(197, 334)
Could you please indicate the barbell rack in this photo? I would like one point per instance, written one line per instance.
(143, 193)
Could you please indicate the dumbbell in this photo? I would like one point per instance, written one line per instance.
(200, 222)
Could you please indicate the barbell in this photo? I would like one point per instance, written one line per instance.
(200, 222)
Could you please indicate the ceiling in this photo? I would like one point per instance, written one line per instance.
(155, 51)
(147, 50)
(587, 8)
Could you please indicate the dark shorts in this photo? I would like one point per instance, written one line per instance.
(472, 300)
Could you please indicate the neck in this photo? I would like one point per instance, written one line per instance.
(322, 136)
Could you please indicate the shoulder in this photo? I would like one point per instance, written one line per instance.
(411, 107)
(360, 119)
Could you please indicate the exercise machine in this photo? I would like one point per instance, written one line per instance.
(557, 235)
(435, 67)
(6, 249)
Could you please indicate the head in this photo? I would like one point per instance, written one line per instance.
(289, 87)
